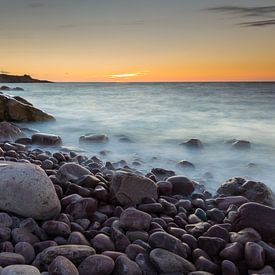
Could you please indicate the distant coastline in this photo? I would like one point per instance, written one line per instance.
(6, 78)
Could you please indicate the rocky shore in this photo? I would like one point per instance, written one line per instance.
(65, 213)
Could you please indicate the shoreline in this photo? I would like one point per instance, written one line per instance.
(115, 219)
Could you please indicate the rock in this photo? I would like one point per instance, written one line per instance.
(145, 264)
(185, 164)
(82, 208)
(14, 110)
(97, 265)
(254, 255)
(181, 185)
(267, 270)
(193, 143)
(252, 190)
(133, 250)
(124, 266)
(130, 188)
(94, 138)
(56, 228)
(133, 219)
(9, 132)
(9, 258)
(233, 252)
(168, 262)
(26, 250)
(215, 215)
(5, 220)
(167, 242)
(224, 202)
(46, 139)
(264, 223)
(207, 265)
(229, 268)
(241, 144)
(20, 269)
(120, 240)
(72, 172)
(162, 174)
(246, 235)
(102, 242)
(18, 181)
(62, 266)
(23, 235)
(213, 245)
(217, 231)
(269, 251)
(74, 253)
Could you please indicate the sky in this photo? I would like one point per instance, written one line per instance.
(138, 40)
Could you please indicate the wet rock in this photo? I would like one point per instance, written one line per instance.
(82, 208)
(254, 255)
(168, 262)
(162, 174)
(264, 224)
(62, 266)
(8, 258)
(71, 172)
(252, 190)
(26, 250)
(18, 181)
(224, 202)
(46, 139)
(213, 245)
(129, 188)
(74, 253)
(102, 242)
(124, 266)
(185, 164)
(246, 235)
(56, 228)
(9, 132)
(94, 138)
(14, 110)
(96, 265)
(168, 242)
(193, 143)
(20, 269)
(164, 188)
(233, 252)
(241, 144)
(181, 185)
(216, 215)
(133, 219)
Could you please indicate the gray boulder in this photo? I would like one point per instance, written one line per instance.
(26, 190)
(9, 132)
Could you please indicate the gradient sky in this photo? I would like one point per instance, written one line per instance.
(138, 40)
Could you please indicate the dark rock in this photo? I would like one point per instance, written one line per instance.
(102, 242)
(162, 174)
(164, 187)
(71, 172)
(120, 240)
(233, 252)
(26, 250)
(217, 231)
(82, 208)
(185, 164)
(254, 255)
(62, 266)
(5, 220)
(246, 235)
(207, 265)
(133, 250)
(77, 238)
(224, 202)
(56, 228)
(46, 139)
(193, 143)
(20, 269)
(229, 268)
(212, 245)
(23, 235)
(124, 266)
(241, 144)
(181, 185)
(94, 138)
(9, 132)
(8, 258)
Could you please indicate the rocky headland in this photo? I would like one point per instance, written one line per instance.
(7, 78)
(65, 213)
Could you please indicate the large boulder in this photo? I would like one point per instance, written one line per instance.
(16, 110)
(129, 188)
(252, 190)
(257, 216)
(26, 190)
(9, 132)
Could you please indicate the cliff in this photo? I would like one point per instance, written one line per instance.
(6, 78)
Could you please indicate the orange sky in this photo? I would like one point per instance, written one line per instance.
(134, 41)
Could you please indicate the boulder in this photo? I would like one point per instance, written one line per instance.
(26, 190)
(90, 138)
(181, 185)
(129, 188)
(9, 132)
(257, 216)
(14, 110)
(46, 139)
(193, 143)
(252, 190)
(162, 174)
(185, 164)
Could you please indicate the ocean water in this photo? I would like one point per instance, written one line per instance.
(157, 117)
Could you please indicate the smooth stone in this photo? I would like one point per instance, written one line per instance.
(96, 265)
(264, 223)
(267, 270)
(46, 139)
(56, 228)
(246, 235)
(241, 144)
(120, 240)
(164, 187)
(77, 238)
(190, 240)
(102, 242)
(168, 242)
(233, 252)
(204, 264)
(71, 172)
(133, 219)
(75, 253)
(151, 207)
(162, 174)
(252, 190)
(18, 181)
(129, 188)
(254, 255)
(193, 143)
(145, 265)
(112, 254)
(269, 251)
(9, 132)
(62, 266)
(26, 250)
(23, 235)
(124, 266)
(101, 138)
(20, 269)
(224, 202)
(201, 214)
(9, 258)
(168, 262)
(137, 235)
(185, 164)
(5, 234)
(181, 185)
(82, 208)
(215, 215)
(212, 245)
(133, 250)
(229, 268)
(217, 231)
(40, 246)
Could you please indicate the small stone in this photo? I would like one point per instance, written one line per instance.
(233, 252)
(46, 139)
(20, 269)
(82, 208)
(26, 250)
(254, 255)
(212, 245)
(77, 238)
(5, 220)
(56, 228)
(102, 242)
(229, 268)
(217, 231)
(201, 214)
(133, 250)
(207, 265)
(62, 266)
(72, 172)
(246, 235)
(23, 235)
(216, 215)
(9, 258)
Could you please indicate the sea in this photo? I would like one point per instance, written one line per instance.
(158, 117)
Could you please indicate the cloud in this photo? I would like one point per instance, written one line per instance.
(36, 5)
(127, 75)
(266, 13)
